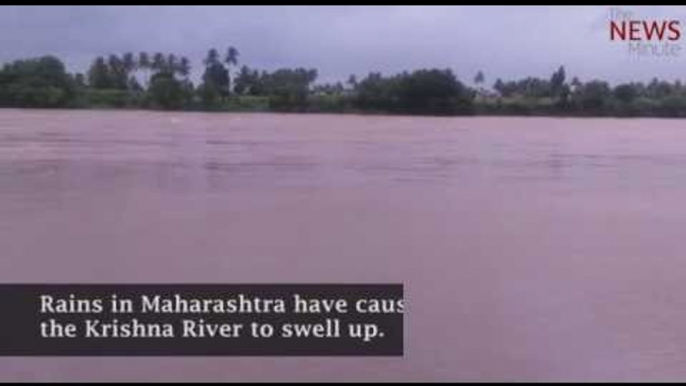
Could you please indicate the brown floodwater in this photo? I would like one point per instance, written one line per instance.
(530, 248)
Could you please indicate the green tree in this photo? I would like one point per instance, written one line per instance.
(80, 81)
(212, 57)
(143, 60)
(99, 76)
(172, 64)
(499, 86)
(129, 62)
(479, 78)
(231, 60)
(184, 67)
(593, 97)
(245, 81)
(288, 89)
(434, 92)
(39, 82)
(215, 80)
(159, 63)
(166, 92)
(625, 92)
(352, 81)
(118, 72)
(557, 81)
(231, 56)
(144, 64)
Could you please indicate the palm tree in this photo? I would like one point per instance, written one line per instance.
(352, 81)
(479, 78)
(231, 60)
(231, 56)
(117, 71)
(99, 74)
(172, 64)
(128, 66)
(143, 60)
(311, 75)
(575, 84)
(129, 62)
(212, 57)
(184, 67)
(158, 62)
(144, 64)
(113, 62)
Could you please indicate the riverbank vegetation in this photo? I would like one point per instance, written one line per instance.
(163, 81)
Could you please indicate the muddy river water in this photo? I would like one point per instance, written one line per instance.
(530, 248)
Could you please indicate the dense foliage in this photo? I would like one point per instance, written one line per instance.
(41, 82)
(162, 81)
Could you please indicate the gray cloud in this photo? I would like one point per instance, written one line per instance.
(507, 42)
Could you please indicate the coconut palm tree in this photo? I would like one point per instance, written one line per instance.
(231, 56)
(117, 71)
(231, 60)
(144, 65)
(212, 57)
(172, 64)
(143, 60)
(184, 67)
(352, 81)
(158, 62)
(129, 62)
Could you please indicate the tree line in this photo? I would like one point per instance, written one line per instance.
(163, 81)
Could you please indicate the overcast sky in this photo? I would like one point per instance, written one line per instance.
(506, 42)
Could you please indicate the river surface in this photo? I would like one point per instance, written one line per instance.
(530, 248)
